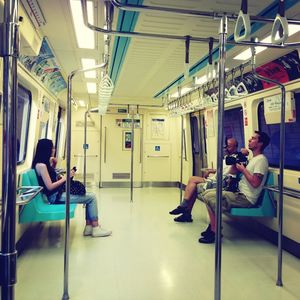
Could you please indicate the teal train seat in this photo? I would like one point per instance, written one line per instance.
(38, 209)
(264, 208)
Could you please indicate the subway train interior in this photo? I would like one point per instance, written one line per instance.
(139, 96)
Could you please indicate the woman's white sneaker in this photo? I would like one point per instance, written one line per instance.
(100, 232)
(87, 230)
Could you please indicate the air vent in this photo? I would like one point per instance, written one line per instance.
(121, 175)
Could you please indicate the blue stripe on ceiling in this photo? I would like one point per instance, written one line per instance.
(126, 22)
(269, 12)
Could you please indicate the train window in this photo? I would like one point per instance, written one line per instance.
(233, 125)
(195, 135)
(292, 143)
(43, 130)
(23, 114)
(58, 131)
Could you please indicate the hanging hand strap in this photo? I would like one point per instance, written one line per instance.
(243, 22)
(280, 25)
(187, 56)
(210, 68)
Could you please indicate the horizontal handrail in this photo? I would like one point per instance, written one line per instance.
(286, 191)
(193, 13)
(177, 37)
(165, 156)
(81, 155)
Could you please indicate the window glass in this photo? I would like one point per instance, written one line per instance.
(58, 131)
(43, 130)
(195, 135)
(292, 141)
(23, 113)
(233, 125)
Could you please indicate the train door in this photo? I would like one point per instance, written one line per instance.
(93, 148)
(116, 151)
(198, 143)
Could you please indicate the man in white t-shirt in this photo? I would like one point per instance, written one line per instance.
(190, 193)
(251, 184)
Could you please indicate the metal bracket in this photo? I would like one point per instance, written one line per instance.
(8, 267)
(7, 48)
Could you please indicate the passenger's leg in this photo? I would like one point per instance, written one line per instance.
(209, 198)
(190, 196)
(91, 213)
(186, 216)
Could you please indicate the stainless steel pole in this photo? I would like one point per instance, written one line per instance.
(218, 247)
(132, 156)
(68, 182)
(85, 147)
(281, 166)
(10, 52)
(181, 161)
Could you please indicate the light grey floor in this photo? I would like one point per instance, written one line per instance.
(150, 257)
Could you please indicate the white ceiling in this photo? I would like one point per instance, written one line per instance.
(150, 65)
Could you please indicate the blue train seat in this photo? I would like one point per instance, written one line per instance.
(38, 209)
(264, 207)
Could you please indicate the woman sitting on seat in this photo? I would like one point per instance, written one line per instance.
(52, 188)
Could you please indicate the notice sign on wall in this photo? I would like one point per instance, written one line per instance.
(127, 140)
(126, 123)
(158, 128)
(272, 108)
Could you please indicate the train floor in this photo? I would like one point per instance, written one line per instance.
(150, 257)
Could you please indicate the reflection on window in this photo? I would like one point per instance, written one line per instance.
(43, 130)
(233, 125)
(23, 113)
(195, 135)
(292, 142)
(58, 132)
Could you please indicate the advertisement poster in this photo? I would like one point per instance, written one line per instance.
(45, 68)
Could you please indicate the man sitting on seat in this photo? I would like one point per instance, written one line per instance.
(250, 185)
(190, 193)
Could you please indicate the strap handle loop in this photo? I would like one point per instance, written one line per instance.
(280, 26)
(242, 23)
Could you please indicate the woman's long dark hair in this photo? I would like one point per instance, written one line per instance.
(43, 153)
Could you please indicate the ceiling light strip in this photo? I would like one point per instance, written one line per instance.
(126, 22)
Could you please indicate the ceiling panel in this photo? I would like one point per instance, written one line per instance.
(150, 65)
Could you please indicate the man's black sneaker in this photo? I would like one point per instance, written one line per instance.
(207, 231)
(185, 217)
(208, 239)
(178, 210)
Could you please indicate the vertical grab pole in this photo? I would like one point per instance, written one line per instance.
(281, 165)
(132, 157)
(68, 181)
(84, 147)
(181, 160)
(9, 52)
(218, 246)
